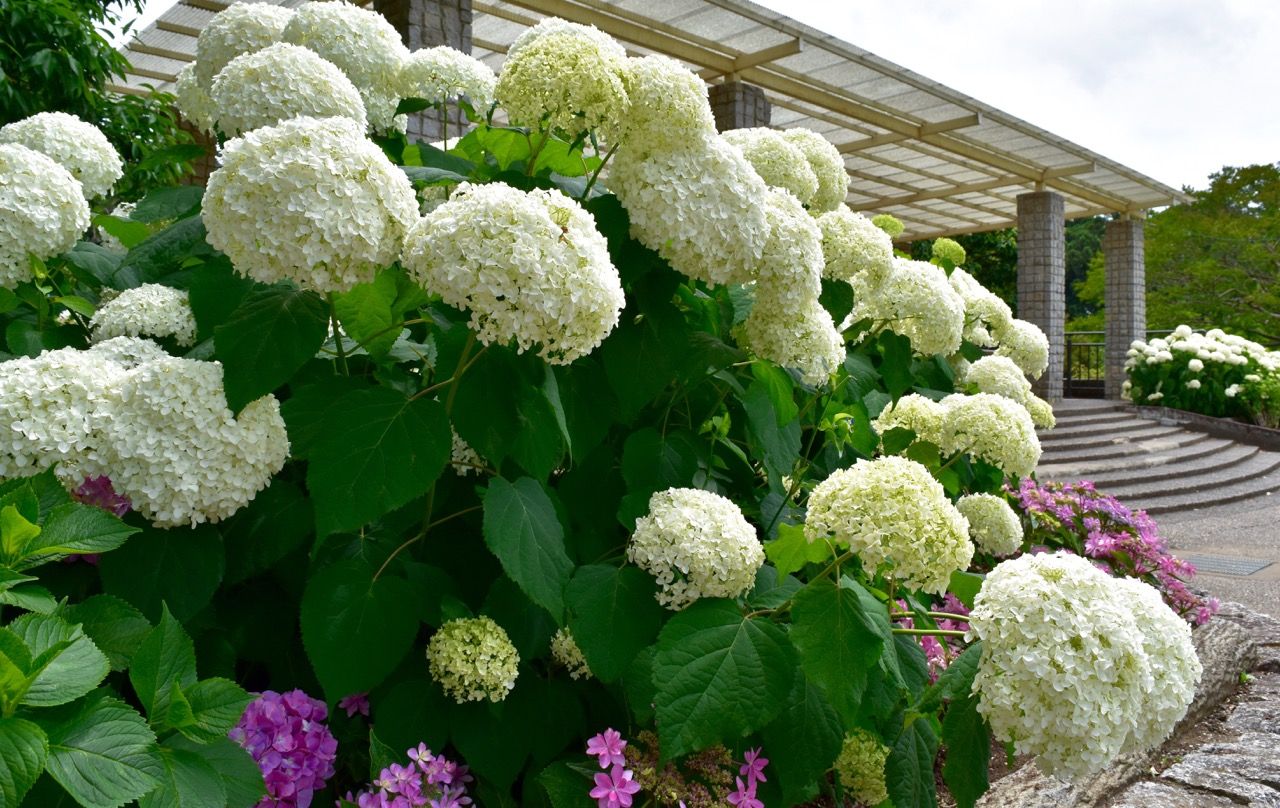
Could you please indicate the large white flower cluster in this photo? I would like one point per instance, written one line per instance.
(42, 211)
(991, 428)
(192, 100)
(150, 310)
(156, 425)
(667, 107)
(1070, 659)
(993, 525)
(312, 200)
(916, 301)
(280, 82)
(892, 510)
(1025, 344)
(999, 375)
(695, 544)
(985, 312)
(921, 415)
(77, 146)
(828, 166)
(854, 249)
(860, 767)
(530, 267)
(778, 160)
(561, 75)
(473, 659)
(697, 206)
(441, 73)
(239, 28)
(363, 45)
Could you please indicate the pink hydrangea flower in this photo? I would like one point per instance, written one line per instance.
(614, 790)
(355, 703)
(288, 739)
(607, 748)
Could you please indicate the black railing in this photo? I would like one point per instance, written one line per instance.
(1084, 373)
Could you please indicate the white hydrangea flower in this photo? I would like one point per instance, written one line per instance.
(42, 211)
(363, 45)
(1232, 391)
(126, 352)
(698, 207)
(473, 659)
(991, 428)
(794, 333)
(280, 82)
(150, 310)
(668, 106)
(1175, 667)
(192, 100)
(860, 767)
(984, 311)
(917, 302)
(948, 249)
(828, 166)
(993, 525)
(562, 75)
(891, 509)
(1025, 344)
(312, 200)
(1193, 384)
(77, 146)
(239, 28)
(778, 161)
(441, 73)
(921, 415)
(1041, 412)
(999, 376)
(463, 458)
(855, 250)
(695, 544)
(1064, 673)
(530, 267)
(169, 443)
(1195, 365)
(790, 271)
(568, 655)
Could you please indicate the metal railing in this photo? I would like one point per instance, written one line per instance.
(1084, 372)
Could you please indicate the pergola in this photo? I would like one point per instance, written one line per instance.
(942, 162)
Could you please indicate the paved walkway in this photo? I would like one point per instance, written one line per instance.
(1217, 501)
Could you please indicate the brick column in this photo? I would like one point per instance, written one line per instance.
(1126, 300)
(738, 105)
(1042, 272)
(428, 24)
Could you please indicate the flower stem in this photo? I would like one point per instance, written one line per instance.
(337, 337)
(596, 174)
(936, 632)
(421, 535)
(937, 615)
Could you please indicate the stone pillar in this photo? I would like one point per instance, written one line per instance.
(738, 105)
(428, 24)
(1126, 300)
(1042, 275)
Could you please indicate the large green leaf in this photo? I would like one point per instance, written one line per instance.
(501, 409)
(778, 446)
(114, 626)
(275, 523)
(180, 568)
(266, 339)
(101, 751)
(378, 450)
(612, 615)
(522, 529)
(23, 751)
(189, 781)
(371, 312)
(160, 254)
(955, 682)
(75, 528)
(836, 641)
(791, 551)
(215, 291)
(73, 664)
(240, 776)
(719, 676)
(355, 629)
(309, 406)
(909, 769)
(167, 657)
(895, 366)
(565, 787)
(968, 741)
(653, 462)
(803, 741)
(16, 532)
(168, 203)
(216, 705)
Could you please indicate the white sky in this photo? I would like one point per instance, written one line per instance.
(1173, 88)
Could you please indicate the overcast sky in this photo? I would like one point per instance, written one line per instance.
(1173, 88)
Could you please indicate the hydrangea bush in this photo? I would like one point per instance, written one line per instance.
(1213, 373)
(636, 427)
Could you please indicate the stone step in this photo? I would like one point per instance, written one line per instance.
(1069, 468)
(1076, 432)
(1176, 465)
(1086, 418)
(1256, 468)
(1206, 497)
(1147, 440)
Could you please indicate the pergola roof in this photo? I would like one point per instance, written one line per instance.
(942, 162)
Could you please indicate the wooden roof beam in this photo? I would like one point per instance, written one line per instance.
(985, 185)
(164, 53)
(207, 5)
(150, 74)
(923, 129)
(760, 57)
(176, 28)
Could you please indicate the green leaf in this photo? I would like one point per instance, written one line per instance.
(30, 598)
(897, 439)
(955, 681)
(114, 626)
(909, 769)
(180, 568)
(777, 383)
(414, 711)
(163, 204)
(501, 409)
(791, 551)
(9, 579)
(565, 787)
(128, 232)
(356, 630)
(965, 586)
(836, 298)
(836, 641)
(308, 407)
(274, 524)
(76, 528)
(521, 528)
(16, 531)
(216, 705)
(160, 254)
(772, 590)
(266, 339)
(803, 741)
(74, 664)
(377, 451)
(778, 446)
(895, 366)
(719, 676)
(215, 291)
(23, 751)
(876, 615)
(429, 175)
(612, 615)
(240, 776)
(372, 313)
(76, 303)
(654, 462)
(96, 264)
(167, 657)
(188, 781)
(101, 751)
(968, 741)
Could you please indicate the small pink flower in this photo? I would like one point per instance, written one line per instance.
(355, 703)
(745, 796)
(607, 747)
(753, 769)
(614, 790)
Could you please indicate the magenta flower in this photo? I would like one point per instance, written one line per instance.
(286, 736)
(355, 703)
(753, 769)
(745, 796)
(97, 491)
(607, 748)
(429, 781)
(614, 790)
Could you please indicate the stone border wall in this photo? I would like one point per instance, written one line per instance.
(1222, 427)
